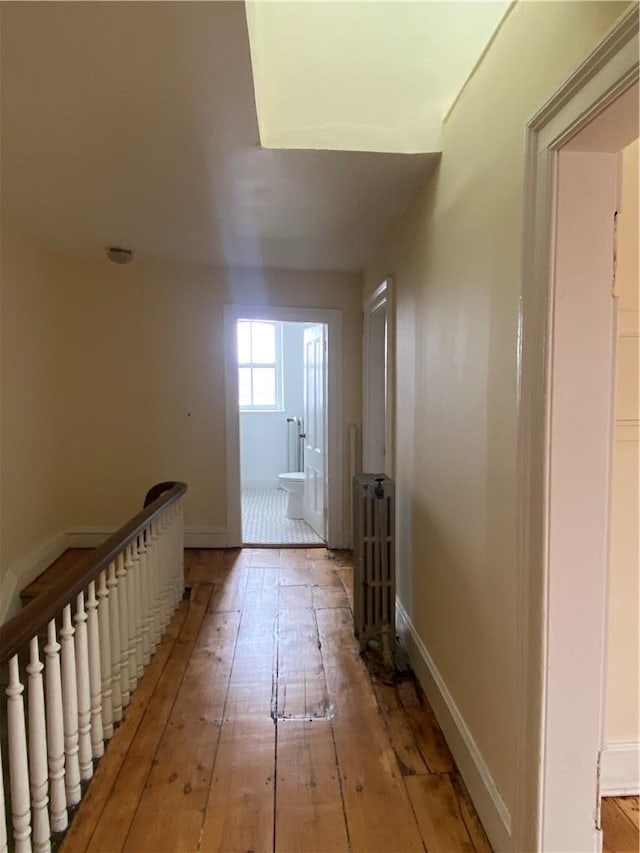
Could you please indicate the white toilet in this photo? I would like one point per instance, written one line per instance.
(293, 484)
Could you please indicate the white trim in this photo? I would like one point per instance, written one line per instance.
(88, 537)
(27, 569)
(491, 808)
(337, 535)
(206, 537)
(606, 74)
(381, 299)
(620, 769)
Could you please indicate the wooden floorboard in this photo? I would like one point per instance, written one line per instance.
(259, 727)
(629, 806)
(438, 813)
(179, 780)
(112, 827)
(309, 814)
(65, 562)
(372, 784)
(620, 825)
(240, 807)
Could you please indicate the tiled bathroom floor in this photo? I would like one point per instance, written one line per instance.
(264, 521)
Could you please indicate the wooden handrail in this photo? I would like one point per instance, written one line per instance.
(19, 630)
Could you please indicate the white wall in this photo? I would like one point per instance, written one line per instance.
(263, 435)
(623, 721)
(455, 258)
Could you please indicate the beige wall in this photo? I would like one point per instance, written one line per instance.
(31, 408)
(455, 256)
(142, 348)
(113, 379)
(623, 721)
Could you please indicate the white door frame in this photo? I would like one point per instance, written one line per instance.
(314, 452)
(573, 682)
(333, 319)
(380, 300)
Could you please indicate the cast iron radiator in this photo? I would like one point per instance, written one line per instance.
(374, 584)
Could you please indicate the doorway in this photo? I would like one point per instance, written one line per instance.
(282, 414)
(281, 381)
(567, 343)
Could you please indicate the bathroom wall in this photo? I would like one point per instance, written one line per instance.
(263, 435)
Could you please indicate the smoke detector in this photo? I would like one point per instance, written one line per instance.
(119, 256)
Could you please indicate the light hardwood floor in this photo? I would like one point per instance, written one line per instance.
(258, 727)
(620, 825)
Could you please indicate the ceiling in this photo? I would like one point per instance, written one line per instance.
(363, 75)
(135, 124)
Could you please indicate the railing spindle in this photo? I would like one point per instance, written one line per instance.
(138, 602)
(180, 505)
(38, 753)
(103, 621)
(131, 619)
(114, 635)
(152, 544)
(55, 730)
(121, 574)
(175, 557)
(151, 576)
(164, 572)
(105, 656)
(144, 594)
(18, 766)
(85, 752)
(3, 811)
(95, 680)
(70, 709)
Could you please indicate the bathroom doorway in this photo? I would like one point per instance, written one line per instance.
(279, 413)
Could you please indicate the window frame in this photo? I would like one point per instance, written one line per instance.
(277, 365)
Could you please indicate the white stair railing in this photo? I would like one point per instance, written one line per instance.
(97, 628)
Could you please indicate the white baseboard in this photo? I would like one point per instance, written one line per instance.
(27, 569)
(206, 537)
(620, 769)
(491, 808)
(88, 537)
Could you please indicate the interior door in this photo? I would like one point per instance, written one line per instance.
(315, 363)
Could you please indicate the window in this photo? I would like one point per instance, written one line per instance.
(259, 365)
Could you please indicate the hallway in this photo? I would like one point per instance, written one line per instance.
(352, 763)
